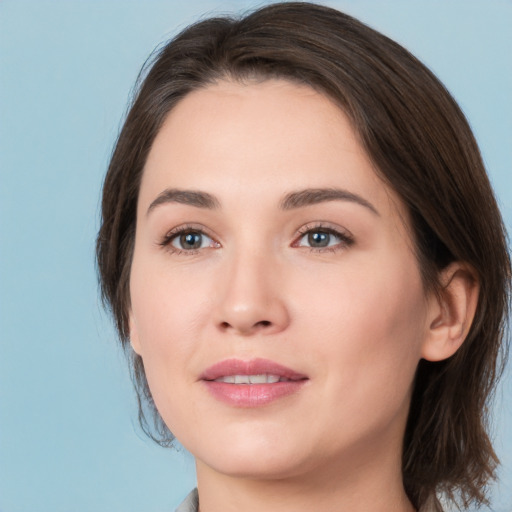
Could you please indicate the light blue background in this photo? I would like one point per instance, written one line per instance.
(68, 434)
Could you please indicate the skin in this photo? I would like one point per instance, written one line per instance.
(352, 316)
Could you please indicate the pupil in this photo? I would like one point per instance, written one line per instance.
(191, 240)
(318, 239)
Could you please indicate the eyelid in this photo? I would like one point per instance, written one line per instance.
(346, 237)
(166, 241)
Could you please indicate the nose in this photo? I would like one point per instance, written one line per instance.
(252, 300)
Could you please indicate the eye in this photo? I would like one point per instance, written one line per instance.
(191, 240)
(187, 240)
(323, 238)
(319, 239)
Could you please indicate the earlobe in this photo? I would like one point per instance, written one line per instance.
(451, 312)
(134, 335)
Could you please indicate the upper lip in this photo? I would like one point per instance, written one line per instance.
(250, 367)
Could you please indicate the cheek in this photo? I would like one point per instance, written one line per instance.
(169, 310)
(167, 305)
(376, 298)
(168, 315)
(368, 329)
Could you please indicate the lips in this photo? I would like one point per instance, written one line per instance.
(251, 383)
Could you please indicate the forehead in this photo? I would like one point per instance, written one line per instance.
(259, 139)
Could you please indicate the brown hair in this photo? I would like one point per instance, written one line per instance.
(421, 145)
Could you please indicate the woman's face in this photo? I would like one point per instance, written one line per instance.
(266, 246)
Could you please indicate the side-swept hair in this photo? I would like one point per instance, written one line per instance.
(421, 146)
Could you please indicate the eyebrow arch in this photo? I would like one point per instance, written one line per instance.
(189, 197)
(311, 196)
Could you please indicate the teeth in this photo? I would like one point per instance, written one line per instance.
(258, 379)
(264, 378)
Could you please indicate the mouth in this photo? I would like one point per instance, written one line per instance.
(263, 378)
(252, 383)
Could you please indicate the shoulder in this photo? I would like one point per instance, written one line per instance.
(431, 505)
(190, 503)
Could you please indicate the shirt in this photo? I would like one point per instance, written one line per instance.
(191, 504)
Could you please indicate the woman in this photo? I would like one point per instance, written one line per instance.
(302, 249)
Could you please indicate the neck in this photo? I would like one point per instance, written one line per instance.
(372, 484)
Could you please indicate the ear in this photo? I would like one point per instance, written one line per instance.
(134, 335)
(451, 312)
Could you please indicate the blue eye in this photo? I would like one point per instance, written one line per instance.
(323, 238)
(190, 241)
(319, 239)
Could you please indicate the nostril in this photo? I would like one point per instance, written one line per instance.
(260, 324)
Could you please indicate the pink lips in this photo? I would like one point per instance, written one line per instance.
(251, 395)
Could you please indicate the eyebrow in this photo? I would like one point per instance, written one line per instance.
(188, 197)
(312, 196)
(291, 201)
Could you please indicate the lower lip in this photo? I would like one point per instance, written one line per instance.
(252, 395)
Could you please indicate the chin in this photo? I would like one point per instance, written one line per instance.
(249, 456)
(257, 467)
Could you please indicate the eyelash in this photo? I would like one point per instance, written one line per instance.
(346, 238)
(167, 240)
